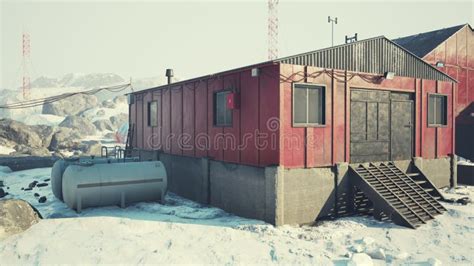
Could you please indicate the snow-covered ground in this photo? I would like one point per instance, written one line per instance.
(182, 231)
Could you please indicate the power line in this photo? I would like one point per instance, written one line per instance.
(52, 99)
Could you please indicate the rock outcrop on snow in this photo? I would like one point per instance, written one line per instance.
(16, 216)
(78, 80)
(45, 133)
(90, 80)
(103, 124)
(61, 127)
(45, 82)
(25, 150)
(120, 99)
(80, 124)
(108, 104)
(91, 148)
(118, 120)
(12, 131)
(64, 138)
(71, 106)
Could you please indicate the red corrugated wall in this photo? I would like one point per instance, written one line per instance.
(263, 123)
(185, 118)
(457, 52)
(329, 144)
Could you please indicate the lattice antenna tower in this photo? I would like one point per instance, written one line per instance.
(25, 65)
(272, 29)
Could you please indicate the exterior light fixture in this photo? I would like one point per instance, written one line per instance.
(389, 75)
(255, 72)
(440, 64)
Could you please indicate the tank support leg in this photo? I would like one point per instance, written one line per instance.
(122, 200)
(79, 203)
(162, 199)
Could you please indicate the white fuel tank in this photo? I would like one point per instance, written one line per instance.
(119, 184)
(60, 166)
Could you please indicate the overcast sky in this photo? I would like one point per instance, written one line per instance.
(143, 38)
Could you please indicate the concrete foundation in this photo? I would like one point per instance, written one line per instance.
(275, 194)
(438, 171)
(305, 195)
(239, 189)
(187, 176)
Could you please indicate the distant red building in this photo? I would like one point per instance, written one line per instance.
(451, 50)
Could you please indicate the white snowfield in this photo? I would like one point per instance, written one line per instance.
(182, 231)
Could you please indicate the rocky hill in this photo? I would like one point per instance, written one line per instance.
(78, 81)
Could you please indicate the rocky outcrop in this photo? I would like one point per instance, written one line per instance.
(91, 148)
(71, 106)
(100, 112)
(91, 80)
(109, 136)
(109, 104)
(118, 120)
(25, 150)
(45, 133)
(44, 82)
(64, 138)
(122, 99)
(16, 216)
(103, 124)
(7, 143)
(79, 124)
(19, 133)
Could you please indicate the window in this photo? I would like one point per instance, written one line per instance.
(437, 110)
(308, 105)
(152, 114)
(222, 115)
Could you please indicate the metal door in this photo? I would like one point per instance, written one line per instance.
(370, 124)
(401, 126)
(381, 126)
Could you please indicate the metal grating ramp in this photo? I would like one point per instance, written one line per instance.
(395, 195)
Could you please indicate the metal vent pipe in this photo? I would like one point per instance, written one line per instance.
(169, 74)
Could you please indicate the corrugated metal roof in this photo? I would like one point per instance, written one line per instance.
(376, 55)
(422, 43)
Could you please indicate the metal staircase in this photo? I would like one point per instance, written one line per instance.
(420, 178)
(395, 195)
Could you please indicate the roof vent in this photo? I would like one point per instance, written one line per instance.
(169, 74)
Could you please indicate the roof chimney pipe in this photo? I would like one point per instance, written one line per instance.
(169, 74)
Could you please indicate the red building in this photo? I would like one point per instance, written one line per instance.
(274, 140)
(451, 50)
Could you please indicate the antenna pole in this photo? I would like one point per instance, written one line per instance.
(26, 45)
(272, 29)
(332, 21)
